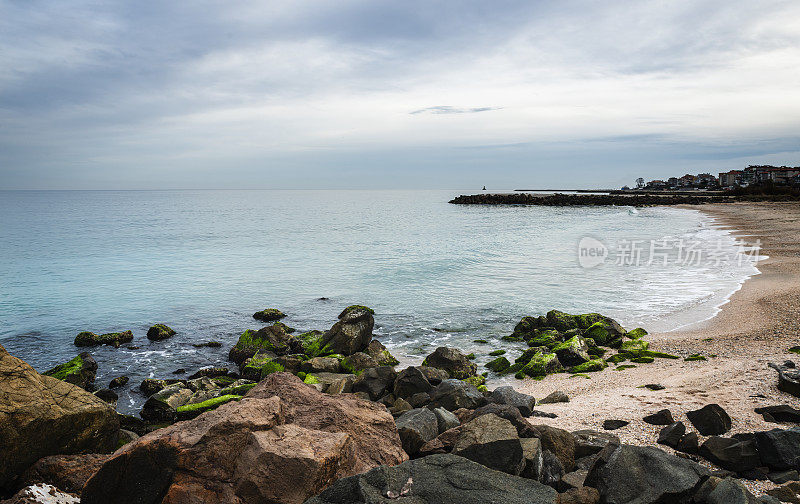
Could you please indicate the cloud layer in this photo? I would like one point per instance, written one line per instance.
(386, 94)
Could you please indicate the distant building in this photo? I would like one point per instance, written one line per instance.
(731, 178)
(656, 184)
(672, 182)
(686, 181)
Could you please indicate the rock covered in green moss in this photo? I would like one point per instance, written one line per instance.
(590, 366)
(269, 315)
(643, 360)
(545, 337)
(605, 334)
(635, 347)
(476, 380)
(496, 353)
(498, 365)
(542, 364)
(378, 351)
(260, 365)
(274, 339)
(119, 381)
(621, 357)
(636, 333)
(572, 352)
(80, 371)
(114, 339)
(189, 411)
(310, 379)
(159, 332)
(695, 357)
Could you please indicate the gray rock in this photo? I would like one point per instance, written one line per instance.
(781, 413)
(731, 454)
(454, 394)
(574, 479)
(788, 377)
(710, 420)
(352, 333)
(411, 381)
(589, 442)
(446, 420)
(779, 449)
(420, 399)
(781, 477)
(644, 475)
(493, 442)
(507, 395)
(614, 424)
(555, 397)
(552, 469)
(560, 442)
(689, 443)
(416, 427)
(532, 453)
(321, 365)
(661, 417)
(162, 406)
(510, 413)
(451, 360)
(436, 479)
(375, 381)
(672, 434)
(728, 491)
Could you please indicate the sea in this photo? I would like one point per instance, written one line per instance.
(435, 273)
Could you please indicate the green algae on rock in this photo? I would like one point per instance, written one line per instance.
(159, 332)
(79, 371)
(87, 338)
(189, 411)
(590, 366)
(498, 365)
(269, 315)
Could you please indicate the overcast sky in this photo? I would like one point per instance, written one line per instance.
(402, 94)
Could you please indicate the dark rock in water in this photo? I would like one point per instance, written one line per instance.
(163, 405)
(781, 477)
(375, 381)
(119, 381)
(352, 333)
(453, 394)
(560, 442)
(493, 442)
(132, 423)
(731, 454)
(160, 332)
(411, 381)
(66, 472)
(274, 339)
(510, 413)
(498, 365)
(179, 371)
(589, 442)
(662, 417)
(445, 419)
(672, 434)
(614, 424)
(451, 360)
(416, 427)
(41, 415)
(436, 479)
(644, 475)
(689, 443)
(269, 315)
(209, 344)
(87, 338)
(779, 449)
(787, 493)
(283, 442)
(210, 372)
(107, 395)
(782, 413)
(710, 420)
(788, 377)
(150, 386)
(555, 397)
(724, 491)
(507, 395)
(79, 371)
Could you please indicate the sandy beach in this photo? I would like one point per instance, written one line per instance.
(757, 326)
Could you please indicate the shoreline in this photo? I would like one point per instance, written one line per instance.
(753, 328)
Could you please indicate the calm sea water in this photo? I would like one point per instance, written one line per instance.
(436, 274)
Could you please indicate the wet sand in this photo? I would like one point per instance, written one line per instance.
(759, 324)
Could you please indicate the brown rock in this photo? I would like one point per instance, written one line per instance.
(41, 494)
(66, 472)
(41, 415)
(560, 442)
(283, 442)
(582, 495)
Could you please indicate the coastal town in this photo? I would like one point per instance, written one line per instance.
(753, 175)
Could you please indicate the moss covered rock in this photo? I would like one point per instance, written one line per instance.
(635, 347)
(259, 366)
(115, 339)
(643, 360)
(590, 366)
(159, 332)
(496, 353)
(605, 335)
(572, 352)
(352, 333)
(542, 364)
(477, 380)
(274, 339)
(80, 371)
(498, 365)
(358, 362)
(637, 333)
(269, 315)
(189, 411)
(546, 337)
(453, 361)
(695, 358)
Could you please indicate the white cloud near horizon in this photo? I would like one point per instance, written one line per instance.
(418, 94)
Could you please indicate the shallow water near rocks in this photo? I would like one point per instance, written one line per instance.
(436, 274)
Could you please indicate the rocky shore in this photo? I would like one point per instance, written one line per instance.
(325, 417)
(638, 200)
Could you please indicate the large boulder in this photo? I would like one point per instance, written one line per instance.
(627, 474)
(114, 339)
(510, 413)
(731, 453)
(163, 405)
(41, 416)
(788, 377)
(451, 360)
(493, 442)
(351, 334)
(453, 394)
(283, 442)
(779, 449)
(416, 427)
(573, 351)
(411, 381)
(65, 472)
(378, 351)
(436, 479)
(80, 371)
(269, 315)
(160, 332)
(560, 442)
(507, 395)
(375, 381)
(710, 420)
(274, 339)
(724, 491)
(590, 442)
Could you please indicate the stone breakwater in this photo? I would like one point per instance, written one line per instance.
(559, 199)
(324, 418)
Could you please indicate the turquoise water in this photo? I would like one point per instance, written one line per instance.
(435, 273)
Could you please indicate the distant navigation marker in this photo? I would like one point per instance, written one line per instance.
(484, 188)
